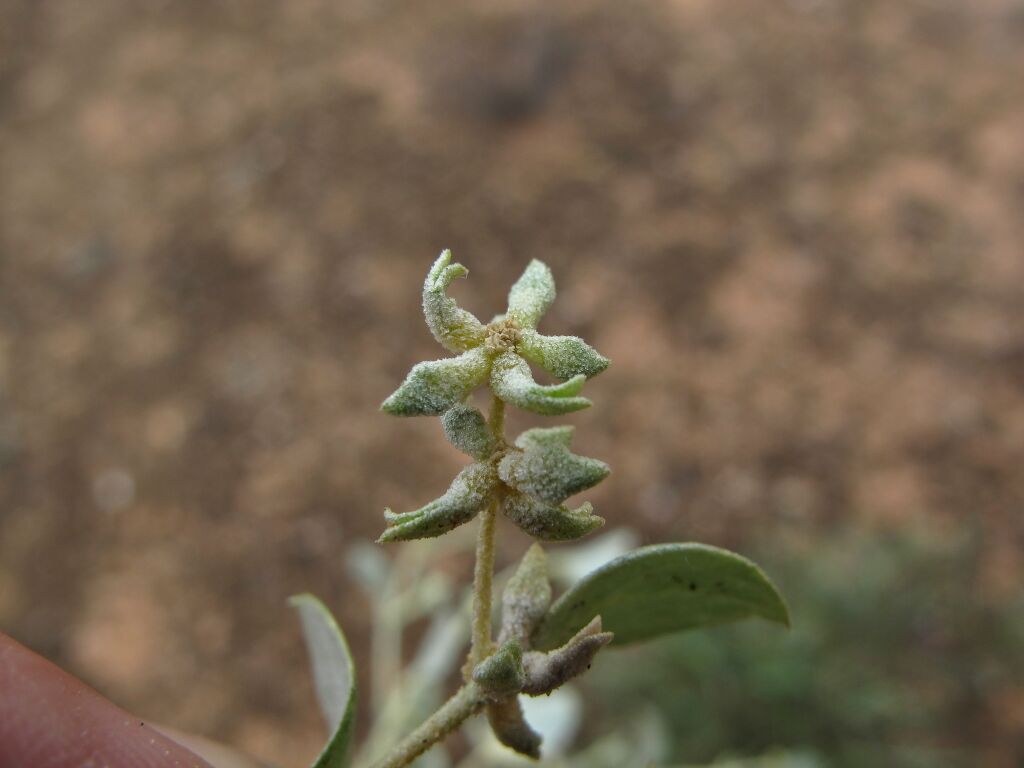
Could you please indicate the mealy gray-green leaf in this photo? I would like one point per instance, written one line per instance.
(512, 381)
(662, 589)
(544, 672)
(531, 295)
(455, 328)
(526, 597)
(472, 489)
(334, 677)
(561, 356)
(433, 387)
(511, 729)
(547, 469)
(501, 674)
(467, 429)
(549, 522)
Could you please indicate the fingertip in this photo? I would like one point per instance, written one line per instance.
(49, 719)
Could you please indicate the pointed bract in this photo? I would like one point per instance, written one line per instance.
(501, 674)
(472, 489)
(547, 671)
(511, 729)
(513, 382)
(468, 431)
(547, 522)
(531, 295)
(561, 356)
(433, 387)
(546, 469)
(527, 596)
(455, 328)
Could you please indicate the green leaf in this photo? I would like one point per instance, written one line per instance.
(471, 490)
(527, 595)
(548, 522)
(433, 387)
(531, 295)
(468, 431)
(334, 676)
(512, 381)
(561, 356)
(501, 674)
(455, 328)
(545, 467)
(662, 589)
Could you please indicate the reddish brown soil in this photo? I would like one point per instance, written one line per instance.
(796, 228)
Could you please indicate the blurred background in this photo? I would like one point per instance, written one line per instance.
(795, 227)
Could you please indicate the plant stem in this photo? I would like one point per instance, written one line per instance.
(483, 573)
(483, 576)
(466, 702)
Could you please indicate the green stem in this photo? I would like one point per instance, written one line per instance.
(466, 702)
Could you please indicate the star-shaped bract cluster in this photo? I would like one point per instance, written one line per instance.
(533, 477)
(499, 352)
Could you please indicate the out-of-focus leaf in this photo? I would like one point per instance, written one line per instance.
(527, 595)
(334, 677)
(662, 589)
(512, 381)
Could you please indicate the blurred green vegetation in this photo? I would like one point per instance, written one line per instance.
(896, 658)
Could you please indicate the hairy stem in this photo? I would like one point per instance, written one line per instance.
(483, 576)
(466, 702)
(483, 573)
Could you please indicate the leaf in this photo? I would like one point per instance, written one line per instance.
(501, 674)
(662, 589)
(527, 595)
(455, 328)
(531, 295)
(511, 729)
(334, 676)
(467, 429)
(548, 522)
(544, 672)
(561, 356)
(545, 467)
(471, 490)
(513, 382)
(433, 387)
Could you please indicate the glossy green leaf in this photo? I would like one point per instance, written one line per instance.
(433, 387)
(334, 677)
(561, 356)
(455, 328)
(662, 589)
(512, 381)
(531, 295)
